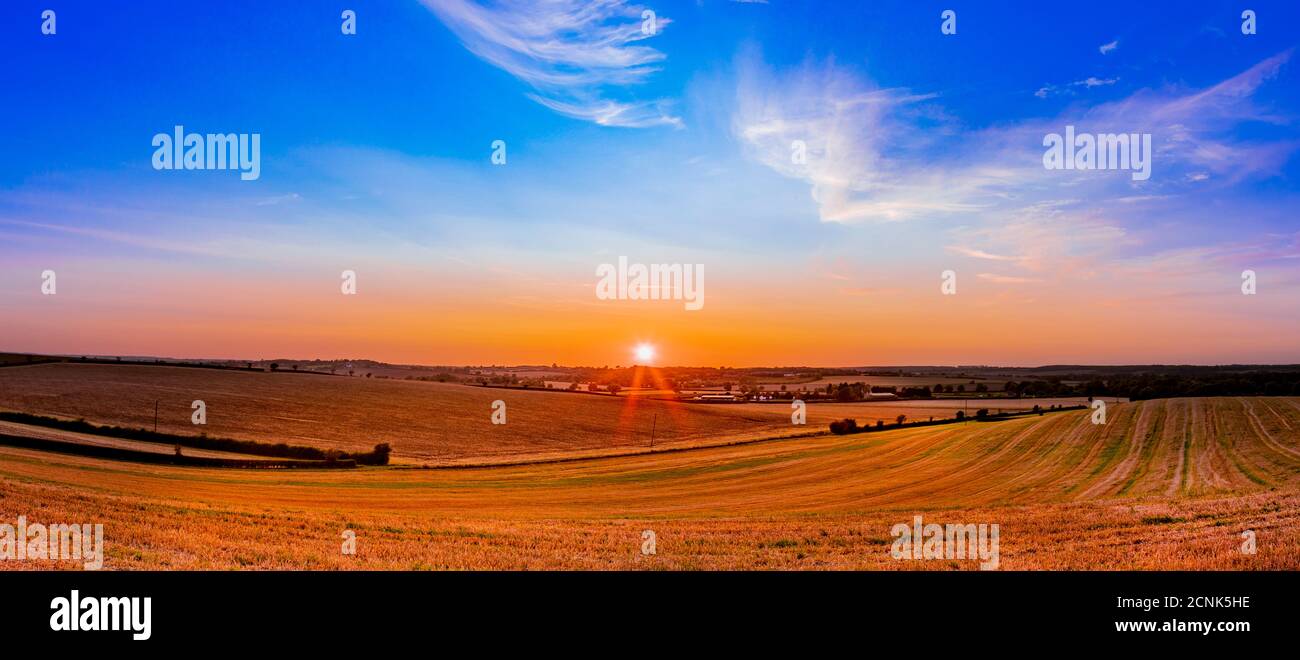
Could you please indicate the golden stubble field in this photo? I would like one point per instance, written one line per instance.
(425, 422)
(1166, 484)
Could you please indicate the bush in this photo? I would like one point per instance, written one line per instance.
(379, 456)
(844, 426)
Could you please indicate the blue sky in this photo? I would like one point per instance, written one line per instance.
(672, 147)
(287, 70)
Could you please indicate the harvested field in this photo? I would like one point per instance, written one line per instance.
(917, 410)
(1167, 484)
(425, 422)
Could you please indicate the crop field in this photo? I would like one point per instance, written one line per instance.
(1164, 484)
(819, 415)
(425, 422)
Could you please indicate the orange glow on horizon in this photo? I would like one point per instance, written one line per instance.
(411, 318)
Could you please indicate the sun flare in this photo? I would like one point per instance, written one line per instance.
(645, 353)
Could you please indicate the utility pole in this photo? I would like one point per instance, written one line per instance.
(654, 422)
(155, 416)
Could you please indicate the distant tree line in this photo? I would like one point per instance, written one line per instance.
(1138, 386)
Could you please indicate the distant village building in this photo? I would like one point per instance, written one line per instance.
(717, 397)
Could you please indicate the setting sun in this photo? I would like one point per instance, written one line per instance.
(645, 353)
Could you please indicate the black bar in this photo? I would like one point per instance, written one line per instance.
(875, 610)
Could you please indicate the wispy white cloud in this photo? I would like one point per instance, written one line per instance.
(831, 128)
(1007, 279)
(611, 113)
(124, 238)
(279, 199)
(1068, 89)
(1094, 81)
(1210, 267)
(873, 154)
(980, 254)
(575, 55)
(1106, 48)
(877, 154)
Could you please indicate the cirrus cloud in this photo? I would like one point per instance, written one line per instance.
(574, 55)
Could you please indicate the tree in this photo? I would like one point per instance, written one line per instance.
(845, 393)
(982, 413)
(900, 419)
(377, 457)
(275, 366)
(614, 388)
(843, 426)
